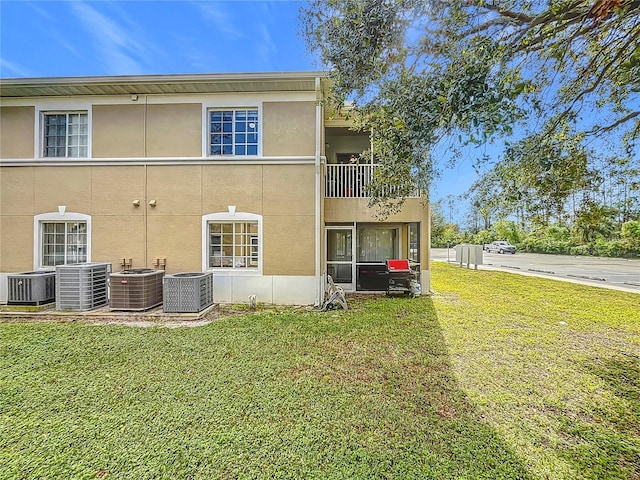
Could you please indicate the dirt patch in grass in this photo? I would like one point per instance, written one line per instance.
(151, 318)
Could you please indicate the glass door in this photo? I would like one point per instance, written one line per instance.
(341, 256)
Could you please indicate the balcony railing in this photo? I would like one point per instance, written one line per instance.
(349, 181)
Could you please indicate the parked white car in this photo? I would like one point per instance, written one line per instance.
(500, 246)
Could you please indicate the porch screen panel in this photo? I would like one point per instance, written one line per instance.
(339, 245)
(377, 244)
(339, 255)
(414, 242)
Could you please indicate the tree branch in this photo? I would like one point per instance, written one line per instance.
(597, 81)
(617, 123)
(521, 17)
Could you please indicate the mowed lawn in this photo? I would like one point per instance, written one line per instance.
(495, 376)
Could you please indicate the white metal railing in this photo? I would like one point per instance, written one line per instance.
(349, 181)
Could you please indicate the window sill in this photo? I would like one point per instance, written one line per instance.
(235, 271)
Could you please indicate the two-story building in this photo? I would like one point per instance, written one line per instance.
(245, 175)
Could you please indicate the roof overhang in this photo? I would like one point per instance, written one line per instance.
(161, 84)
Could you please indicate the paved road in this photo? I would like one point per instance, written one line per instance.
(622, 274)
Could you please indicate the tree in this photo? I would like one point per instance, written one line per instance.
(630, 232)
(485, 197)
(594, 221)
(427, 71)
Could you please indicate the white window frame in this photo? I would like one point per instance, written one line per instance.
(237, 217)
(46, 112)
(207, 127)
(51, 217)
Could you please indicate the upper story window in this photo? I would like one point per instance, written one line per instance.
(65, 134)
(233, 132)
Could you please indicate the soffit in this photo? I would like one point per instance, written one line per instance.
(160, 84)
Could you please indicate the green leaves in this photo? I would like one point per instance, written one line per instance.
(477, 70)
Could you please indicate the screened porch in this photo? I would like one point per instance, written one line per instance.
(356, 254)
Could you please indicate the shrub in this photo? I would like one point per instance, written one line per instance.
(507, 230)
(482, 237)
(630, 232)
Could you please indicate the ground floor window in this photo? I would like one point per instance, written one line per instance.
(232, 241)
(63, 242)
(233, 245)
(61, 238)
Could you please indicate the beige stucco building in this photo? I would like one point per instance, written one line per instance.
(244, 175)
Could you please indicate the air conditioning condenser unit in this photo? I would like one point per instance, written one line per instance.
(82, 286)
(31, 288)
(188, 292)
(136, 289)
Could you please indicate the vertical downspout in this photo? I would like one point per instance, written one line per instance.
(146, 205)
(318, 168)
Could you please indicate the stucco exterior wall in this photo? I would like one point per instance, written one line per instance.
(118, 131)
(172, 229)
(174, 130)
(339, 210)
(17, 132)
(289, 128)
(154, 149)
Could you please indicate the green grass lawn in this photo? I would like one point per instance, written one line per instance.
(495, 376)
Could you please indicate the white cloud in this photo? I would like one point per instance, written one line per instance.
(120, 49)
(265, 45)
(14, 69)
(66, 44)
(50, 18)
(220, 18)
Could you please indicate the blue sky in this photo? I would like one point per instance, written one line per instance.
(78, 38)
(56, 38)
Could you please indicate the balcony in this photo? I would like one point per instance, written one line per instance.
(350, 181)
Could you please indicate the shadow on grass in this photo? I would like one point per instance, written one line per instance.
(394, 395)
